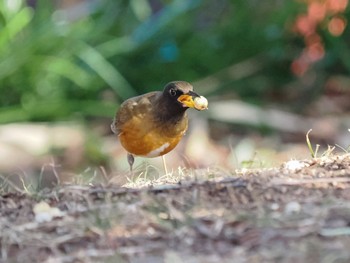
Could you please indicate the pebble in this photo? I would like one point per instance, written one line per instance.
(294, 165)
(292, 208)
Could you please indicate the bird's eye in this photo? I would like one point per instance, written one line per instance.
(172, 92)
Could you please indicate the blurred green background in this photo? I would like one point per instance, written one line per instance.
(77, 60)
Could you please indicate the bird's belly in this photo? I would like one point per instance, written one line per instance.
(151, 144)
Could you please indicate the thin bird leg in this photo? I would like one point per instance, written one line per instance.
(164, 164)
(131, 160)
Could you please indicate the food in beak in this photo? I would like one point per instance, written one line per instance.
(196, 102)
(200, 103)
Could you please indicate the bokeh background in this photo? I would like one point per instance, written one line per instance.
(271, 71)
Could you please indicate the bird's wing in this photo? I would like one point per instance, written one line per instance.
(135, 107)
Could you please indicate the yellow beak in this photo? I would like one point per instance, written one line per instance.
(186, 100)
(195, 102)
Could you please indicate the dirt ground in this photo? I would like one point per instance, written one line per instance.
(299, 212)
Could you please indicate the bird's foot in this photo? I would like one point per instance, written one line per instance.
(131, 160)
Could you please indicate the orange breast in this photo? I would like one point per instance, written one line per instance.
(146, 139)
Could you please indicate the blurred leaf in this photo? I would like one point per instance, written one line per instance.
(116, 46)
(106, 71)
(15, 25)
(69, 70)
(156, 22)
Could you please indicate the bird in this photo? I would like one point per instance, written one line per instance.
(152, 124)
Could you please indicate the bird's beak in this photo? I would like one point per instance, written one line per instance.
(193, 100)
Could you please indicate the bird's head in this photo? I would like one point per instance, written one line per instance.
(182, 94)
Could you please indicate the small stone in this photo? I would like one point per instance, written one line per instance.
(292, 208)
(294, 165)
(274, 206)
(45, 213)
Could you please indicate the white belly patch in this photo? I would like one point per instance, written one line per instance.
(157, 151)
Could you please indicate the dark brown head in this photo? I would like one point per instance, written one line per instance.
(175, 99)
(180, 95)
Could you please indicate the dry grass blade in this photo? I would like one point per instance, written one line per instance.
(313, 155)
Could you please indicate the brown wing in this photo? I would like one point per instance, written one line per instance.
(136, 107)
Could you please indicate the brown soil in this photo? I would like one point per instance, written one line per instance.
(299, 212)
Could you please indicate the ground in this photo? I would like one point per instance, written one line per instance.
(299, 212)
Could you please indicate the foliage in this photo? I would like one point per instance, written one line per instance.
(51, 67)
(66, 63)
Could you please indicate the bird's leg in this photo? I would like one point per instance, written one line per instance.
(131, 160)
(164, 164)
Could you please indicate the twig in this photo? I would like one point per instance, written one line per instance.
(332, 232)
(104, 174)
(54, 166)
(11, 184)
(310, 181)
